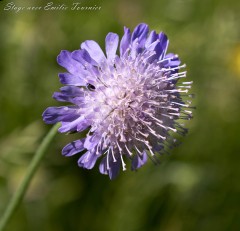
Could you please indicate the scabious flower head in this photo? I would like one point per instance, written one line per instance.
(129, 102)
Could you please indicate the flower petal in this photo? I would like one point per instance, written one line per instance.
(111, 42)
(156, 47)
(88, 160)
(73, 125)
(174, 62)
(164, 43)
(83, 57)
(139, 160)
(125, 41)
(103, 166)
(69, 79)
(53, 115)
(135, 48)
(65, 60)
(153, 36)
(94, 51)
(140, 32)
(92, 141)
(114, 167)
(83, 125)
(114, 170)
(73, 148)
(68, 94)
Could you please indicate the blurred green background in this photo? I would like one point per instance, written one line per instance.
(197, 187)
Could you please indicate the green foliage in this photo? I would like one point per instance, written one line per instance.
(195, 188)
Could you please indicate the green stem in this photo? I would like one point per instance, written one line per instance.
(18, 196)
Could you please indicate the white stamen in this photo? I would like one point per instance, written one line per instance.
(123, 164)
(187, 83)
(163, 60)
(185, 87)
(180, 104)
(150, 149)
(137, 149)
(190, 112)
(108, 160)
(130, 153)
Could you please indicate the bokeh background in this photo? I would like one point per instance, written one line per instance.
(197, 187)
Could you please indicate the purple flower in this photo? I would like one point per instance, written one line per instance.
(129, 102)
